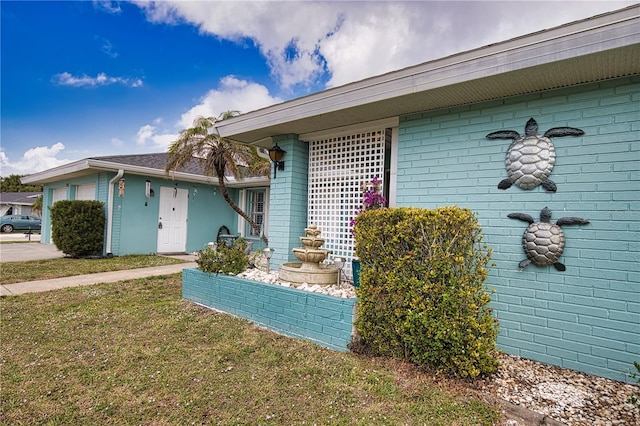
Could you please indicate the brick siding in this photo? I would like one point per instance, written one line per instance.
(586, 318)
(319, 318)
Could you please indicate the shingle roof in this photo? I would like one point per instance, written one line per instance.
(24, 198)
(141, 164)
(159, 160)
(154, 161)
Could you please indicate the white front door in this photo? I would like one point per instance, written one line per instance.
(172, 220)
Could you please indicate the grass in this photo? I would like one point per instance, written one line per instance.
(134, 352)
(15, 272)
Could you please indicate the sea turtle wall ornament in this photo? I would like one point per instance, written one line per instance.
(543, 241)
(530, 158)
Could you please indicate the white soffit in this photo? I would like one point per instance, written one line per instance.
(90, 166)
(361, 127)
(603, 47)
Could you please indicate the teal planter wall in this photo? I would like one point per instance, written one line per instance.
(319, 318)
(587, 317)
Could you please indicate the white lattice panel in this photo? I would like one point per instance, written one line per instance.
(338, 167)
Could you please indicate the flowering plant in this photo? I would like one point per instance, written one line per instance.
(372, 199)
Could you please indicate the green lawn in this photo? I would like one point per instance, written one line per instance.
(134, 352)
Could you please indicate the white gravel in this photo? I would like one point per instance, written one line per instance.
(344, 289)
(570, 397)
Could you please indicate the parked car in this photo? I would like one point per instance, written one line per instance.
(19, 222)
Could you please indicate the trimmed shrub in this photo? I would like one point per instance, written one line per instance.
(422, 296)
(225, 258)
(78, 227)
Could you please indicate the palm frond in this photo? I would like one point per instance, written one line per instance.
(219, 156)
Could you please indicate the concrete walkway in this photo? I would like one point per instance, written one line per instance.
(20, 252)
(89, 279)
(33, 251)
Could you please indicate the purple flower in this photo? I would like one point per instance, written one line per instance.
(372, 199)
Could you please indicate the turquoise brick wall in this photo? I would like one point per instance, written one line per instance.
(319, 318)
(288, 200)
(586, 318)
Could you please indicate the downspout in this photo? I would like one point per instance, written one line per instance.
(110, 210)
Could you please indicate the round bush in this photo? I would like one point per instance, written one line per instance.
(78, 227)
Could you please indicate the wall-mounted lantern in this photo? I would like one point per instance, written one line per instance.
(121, 188)
(276, 154)
(148, 192)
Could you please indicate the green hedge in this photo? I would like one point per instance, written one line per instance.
(422, 295)
(78, 227)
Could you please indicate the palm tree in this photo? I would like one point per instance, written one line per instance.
(36, 207)
(220, 156)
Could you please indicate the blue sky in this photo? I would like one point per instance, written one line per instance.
(95, 78)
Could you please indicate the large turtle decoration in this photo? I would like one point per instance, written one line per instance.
(530, 158)
(543, 241)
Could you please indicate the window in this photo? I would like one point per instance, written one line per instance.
(257, 211)
(86, 192)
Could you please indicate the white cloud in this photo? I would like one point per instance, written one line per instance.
(67, 79)
(355, 40)
(289, 45)
(112, 7)
(34, 160)
(145, 133)
(387, 36)
(232, 94)
(117, 142)
(107, 47)
(338, 42)
(158, 140)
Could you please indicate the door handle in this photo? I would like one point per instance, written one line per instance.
(159, 225)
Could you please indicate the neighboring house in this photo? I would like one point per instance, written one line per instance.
(149, 211)
(423, 131)
(18, 202)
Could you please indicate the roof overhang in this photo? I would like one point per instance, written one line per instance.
(603, 47)
(90, 166)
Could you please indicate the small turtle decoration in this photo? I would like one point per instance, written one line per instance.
(530, 158)
(543, 242)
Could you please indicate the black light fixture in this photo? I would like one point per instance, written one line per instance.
(275, 154)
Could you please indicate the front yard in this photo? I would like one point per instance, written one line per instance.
(134, 352)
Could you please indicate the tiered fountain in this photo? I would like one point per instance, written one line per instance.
(310, 269)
